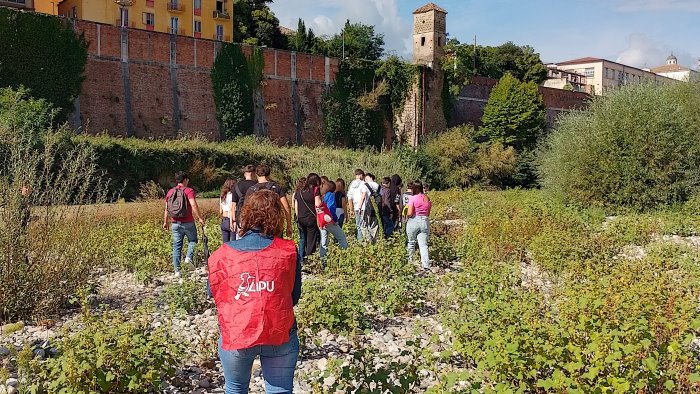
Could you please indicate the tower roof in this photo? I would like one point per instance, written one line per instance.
(671, 57)
(429, 7)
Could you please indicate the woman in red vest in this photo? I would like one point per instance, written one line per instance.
(256, 281)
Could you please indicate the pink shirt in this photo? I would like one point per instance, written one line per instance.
(421, 205)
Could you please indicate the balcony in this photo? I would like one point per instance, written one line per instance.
(119, 23)
(221, 15)
(222, 37)
(176, 6)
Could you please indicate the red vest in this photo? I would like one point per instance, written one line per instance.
(253, 294)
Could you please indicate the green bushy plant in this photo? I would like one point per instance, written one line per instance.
(634, 148)
(188, 297)
(459, 161)
(45, 180)
(111, 354)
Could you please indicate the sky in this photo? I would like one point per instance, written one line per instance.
(639, 33)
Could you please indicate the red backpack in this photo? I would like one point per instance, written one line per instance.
(253, 294)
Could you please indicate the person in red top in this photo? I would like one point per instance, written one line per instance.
(183, 226)
(255, 282)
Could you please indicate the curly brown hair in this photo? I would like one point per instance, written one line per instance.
(263, 212)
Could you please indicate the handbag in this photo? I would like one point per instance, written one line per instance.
(323, 214)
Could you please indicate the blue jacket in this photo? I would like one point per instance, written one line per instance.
(329, 199)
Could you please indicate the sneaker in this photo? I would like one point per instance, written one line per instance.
(188, 264)
(176, 274)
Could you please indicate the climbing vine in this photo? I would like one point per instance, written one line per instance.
(43, 54)
(364, 99)
(235, 79)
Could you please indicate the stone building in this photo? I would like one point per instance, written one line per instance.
(675, 71)
(429, 35)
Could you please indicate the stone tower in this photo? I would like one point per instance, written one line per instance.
(429, 34)
(671, 60)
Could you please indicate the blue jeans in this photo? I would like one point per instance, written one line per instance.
(337, 233)
(418, 230)
(388, 225)
(302, 239)
(278, 364)
(180, 231)
(227, 233)
(358, 222)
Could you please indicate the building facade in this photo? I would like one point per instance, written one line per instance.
(429, 34)
(210, 19)
(567, 80)
(675, 71)
(21, 4)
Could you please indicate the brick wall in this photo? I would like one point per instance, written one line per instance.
(469, 105)
(154, 85)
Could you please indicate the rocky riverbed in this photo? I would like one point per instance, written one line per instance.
(399, 339)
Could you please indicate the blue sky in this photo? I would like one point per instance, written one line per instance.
(635, 32)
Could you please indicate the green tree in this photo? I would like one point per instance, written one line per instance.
(304, 40)
(514, 114)
(255, 24)
(493, 62)
(233, 92)
(356, 41)
(43, 54)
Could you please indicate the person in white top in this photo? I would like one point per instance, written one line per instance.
(356, 195)
(226, 211)
(370, 222)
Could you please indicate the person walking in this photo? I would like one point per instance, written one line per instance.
(356, 197)
(370, 204)
(239, 193)
(386, 210)
(395, 196)
(328, 193)
(256, 282)
(306, 200)
(418, 224)
(341, 201)
(301, 182)
(180, 209)
(264, 183)
(225, 211)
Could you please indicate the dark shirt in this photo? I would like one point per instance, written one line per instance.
(269, 185)
(387, 201)
(306, 202)
(243, 187)
(395, 198)
(339, 199)
(253, 241)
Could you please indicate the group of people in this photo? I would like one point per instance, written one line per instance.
(255, 277)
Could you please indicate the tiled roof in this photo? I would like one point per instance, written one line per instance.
(429, 7)
(580, 61)
(669, 68)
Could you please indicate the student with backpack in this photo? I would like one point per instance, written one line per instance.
(386, 209)
(180, 209)
(264, 183)
(369, 205)
(239, 193)
(332, 227)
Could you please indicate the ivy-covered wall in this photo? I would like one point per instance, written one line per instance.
(43, 54)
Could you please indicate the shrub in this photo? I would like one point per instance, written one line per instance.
(109, 355)
(634, 148)
(37, 48)
(458, 161)
(188, 297)
(44, 177)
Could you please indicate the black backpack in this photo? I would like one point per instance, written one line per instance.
(177, 204)
(375, 205)
(269, 185)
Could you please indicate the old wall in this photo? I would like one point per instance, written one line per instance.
(469, 105)
(156, 85)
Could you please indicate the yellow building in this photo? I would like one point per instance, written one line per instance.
(210, 19)
(46, 6)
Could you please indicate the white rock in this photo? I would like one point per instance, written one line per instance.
(322, 364)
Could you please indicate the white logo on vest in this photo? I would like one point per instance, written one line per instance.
(250, 284)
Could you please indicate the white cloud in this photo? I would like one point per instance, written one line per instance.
(327, 17)
(644, 52)
(658, 5)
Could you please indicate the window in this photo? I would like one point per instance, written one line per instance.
(606, 72)
(619, 75)
(124, 17)
(422, 41)
(220, 6)
(197, 7)
(220, 32)
(149, 19)
(198, 29)
(589, 72)
(439, 41)
(174, 22)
